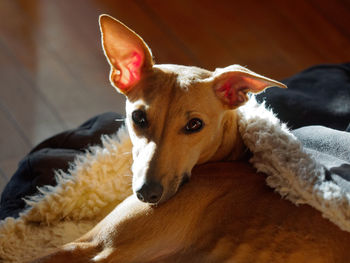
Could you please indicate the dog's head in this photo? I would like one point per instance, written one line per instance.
(177, 116)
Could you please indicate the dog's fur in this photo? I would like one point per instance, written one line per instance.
(218, 216)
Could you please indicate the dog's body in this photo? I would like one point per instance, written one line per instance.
(178, 117)
(219, 216)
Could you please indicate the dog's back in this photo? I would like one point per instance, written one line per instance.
(243, 220)
(226, 213)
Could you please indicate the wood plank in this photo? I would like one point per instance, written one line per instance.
(29, 107)
(3, 180)
(18, 31)
(271, 38)
(10, 165)
(317, 33)
(166, 48)
(65, 90)
(191, 29)
(266, 42)
(26, 106)
(12, 142)
(7, 169)
(336, 12)
(226, 36)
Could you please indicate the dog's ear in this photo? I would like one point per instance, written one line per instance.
(231, 84)
(126, 52)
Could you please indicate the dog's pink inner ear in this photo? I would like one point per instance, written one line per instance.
(129, 71)
(127, 53)
(232, 88)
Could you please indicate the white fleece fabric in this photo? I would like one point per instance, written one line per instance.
(101, 178)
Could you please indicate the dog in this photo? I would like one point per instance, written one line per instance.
(179, 117)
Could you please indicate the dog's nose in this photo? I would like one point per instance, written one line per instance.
(150, 192)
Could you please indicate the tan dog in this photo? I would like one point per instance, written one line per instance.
(178, 117)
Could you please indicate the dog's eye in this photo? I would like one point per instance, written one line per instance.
(194, 125)
(139, 118)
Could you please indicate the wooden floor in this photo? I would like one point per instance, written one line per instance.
(53, 75)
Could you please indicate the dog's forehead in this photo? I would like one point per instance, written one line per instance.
(166, 85)
(185, 75)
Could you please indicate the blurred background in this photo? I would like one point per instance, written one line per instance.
(53, 75)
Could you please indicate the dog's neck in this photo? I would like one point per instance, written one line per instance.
(230, 146)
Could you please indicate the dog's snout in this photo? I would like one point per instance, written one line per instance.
(150, 192)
